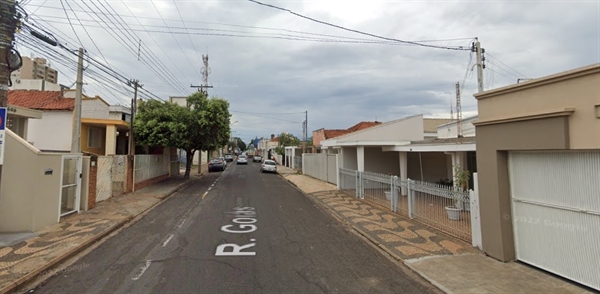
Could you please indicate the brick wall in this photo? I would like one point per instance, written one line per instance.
(93, 177)
(318, 136)
(149, 182)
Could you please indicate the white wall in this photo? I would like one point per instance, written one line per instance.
(405, 129)
(51, 132)
(94, 108)
(450, 130)
(30, 84)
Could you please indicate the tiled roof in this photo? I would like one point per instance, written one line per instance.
(357, 127)
(430, 124)
(40, 100)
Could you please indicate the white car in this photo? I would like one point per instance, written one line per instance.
(242, 159)
(268, 166)
(257, 158)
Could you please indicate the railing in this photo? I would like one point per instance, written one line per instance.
(348, 181)
(441, 207)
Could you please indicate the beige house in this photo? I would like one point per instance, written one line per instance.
(538, 157)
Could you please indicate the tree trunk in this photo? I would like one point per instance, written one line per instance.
(189, 156)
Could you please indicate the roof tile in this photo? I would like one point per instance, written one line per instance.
(357, 127)
(40, 100)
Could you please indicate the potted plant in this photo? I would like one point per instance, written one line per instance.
(461, 182)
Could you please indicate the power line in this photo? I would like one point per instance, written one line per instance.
(257, 27)
(359, 32)
(243, 34)
(514, 70)
(69, 19)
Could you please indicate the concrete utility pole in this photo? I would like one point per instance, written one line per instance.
(305, 132)
(458, 112)
(205, 73)
(480, 63)
(135, 84)
(76, 137)
(8, 26)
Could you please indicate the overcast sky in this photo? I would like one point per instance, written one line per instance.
(272, 66)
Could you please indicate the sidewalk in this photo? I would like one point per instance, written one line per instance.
(24, 261)
(448, 263)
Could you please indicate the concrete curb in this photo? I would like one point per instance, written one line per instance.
(74, 251)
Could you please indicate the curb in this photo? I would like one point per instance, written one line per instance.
(373, 241)
(74, 251)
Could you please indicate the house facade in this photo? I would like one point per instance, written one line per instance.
(101, 133)
(538, 153)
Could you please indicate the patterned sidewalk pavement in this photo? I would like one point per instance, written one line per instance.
(35, 257)
(452, 265)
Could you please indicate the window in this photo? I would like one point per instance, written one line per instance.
(95, 138)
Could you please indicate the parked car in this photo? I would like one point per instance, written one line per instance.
(216, 164)
(257, 158)
(268, 166)
(228, 157)
(242, 159)
(224, 160)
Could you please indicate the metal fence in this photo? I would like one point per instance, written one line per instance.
(348, 181)
(441, 207)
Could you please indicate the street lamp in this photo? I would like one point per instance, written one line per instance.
(233, 123)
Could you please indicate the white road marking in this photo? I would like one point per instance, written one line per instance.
(167, 241)
(181, 223)
(204, 195)
(143, 270)
(209, 188)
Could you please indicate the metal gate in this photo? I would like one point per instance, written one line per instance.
(556, 212)
(70, 190)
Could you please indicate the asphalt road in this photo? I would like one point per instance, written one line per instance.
(237, 231)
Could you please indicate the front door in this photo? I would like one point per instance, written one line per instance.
(71, 184)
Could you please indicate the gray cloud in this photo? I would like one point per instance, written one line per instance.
(270, 82)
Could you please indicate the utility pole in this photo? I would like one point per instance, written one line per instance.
(8, 26)
(458, 112)
(304, 131)
(136, 84)
(480, 63)
(205, 73)
(76, 136)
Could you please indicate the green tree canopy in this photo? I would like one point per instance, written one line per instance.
(202, 125)
(286, 139)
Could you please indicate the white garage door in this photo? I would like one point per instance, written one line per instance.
(556, 212)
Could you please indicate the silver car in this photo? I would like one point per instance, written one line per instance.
(268, 166)
(242, 159)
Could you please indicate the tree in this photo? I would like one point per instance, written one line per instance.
(286, 139)
(240, 144)
(202, 125)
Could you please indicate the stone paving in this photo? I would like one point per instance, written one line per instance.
(452, 265)
(32, 258)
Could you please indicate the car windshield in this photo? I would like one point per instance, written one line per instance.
(242, 157)
(270, 162)
(215, 160)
